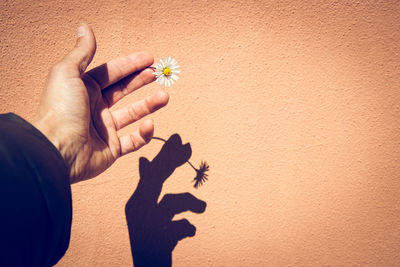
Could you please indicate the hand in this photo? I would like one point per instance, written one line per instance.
(75, 110)
(152, 231)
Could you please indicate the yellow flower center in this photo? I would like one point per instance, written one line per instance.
(167, 71)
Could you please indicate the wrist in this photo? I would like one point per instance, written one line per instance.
(46, 126)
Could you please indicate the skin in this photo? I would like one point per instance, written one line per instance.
(75, 107)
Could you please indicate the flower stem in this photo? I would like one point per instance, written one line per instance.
(192, 165)
(159, 138)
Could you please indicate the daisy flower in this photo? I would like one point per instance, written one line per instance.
(167, 71)
(201, 175)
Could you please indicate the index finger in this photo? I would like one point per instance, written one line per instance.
(178, 203)
(116, 69)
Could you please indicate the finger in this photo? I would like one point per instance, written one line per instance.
(134, 112)
(127, 85)
(137, 139)
(144, 165)
(116, 69)
(85, 48)
(178, 203)
(174, 151)
(178, 230)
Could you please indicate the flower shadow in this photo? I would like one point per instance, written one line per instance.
(152, 232)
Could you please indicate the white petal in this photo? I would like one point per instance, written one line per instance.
(167, 80)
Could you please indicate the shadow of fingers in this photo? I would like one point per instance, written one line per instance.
(172, 204)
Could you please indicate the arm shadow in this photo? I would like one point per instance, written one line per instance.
(152, 232)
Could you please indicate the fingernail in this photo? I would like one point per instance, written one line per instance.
(81, 31)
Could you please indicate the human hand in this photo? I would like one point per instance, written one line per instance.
(75, 110)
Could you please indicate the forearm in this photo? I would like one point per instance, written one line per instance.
(35, 196)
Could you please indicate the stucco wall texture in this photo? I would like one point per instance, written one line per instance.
(294, 104)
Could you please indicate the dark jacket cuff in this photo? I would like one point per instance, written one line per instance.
(35, 196)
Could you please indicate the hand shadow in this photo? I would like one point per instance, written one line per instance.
(152, 232)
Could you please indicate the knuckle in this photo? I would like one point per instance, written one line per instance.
(134, 145)
(132, 113)
(142, 80)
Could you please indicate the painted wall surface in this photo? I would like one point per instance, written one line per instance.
(294, 104)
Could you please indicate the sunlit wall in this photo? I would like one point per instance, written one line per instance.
(294, 104)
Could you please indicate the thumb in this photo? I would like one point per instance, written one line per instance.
(85, 48)
(143, 166)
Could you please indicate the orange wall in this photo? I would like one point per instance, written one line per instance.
(294, 104)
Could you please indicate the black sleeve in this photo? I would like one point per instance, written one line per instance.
(35, 196)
